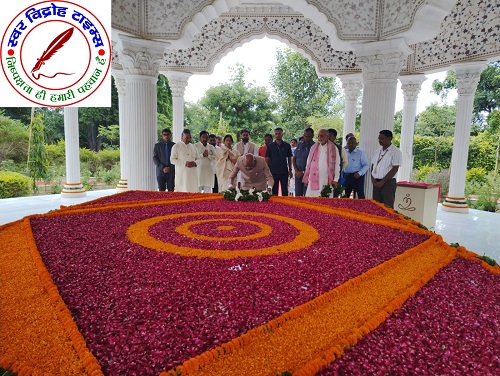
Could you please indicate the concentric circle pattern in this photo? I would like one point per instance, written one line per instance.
(215, 232)
(185, 229)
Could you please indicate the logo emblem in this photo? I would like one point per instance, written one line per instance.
(56, 54)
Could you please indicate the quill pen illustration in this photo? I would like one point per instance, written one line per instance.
(53, 47)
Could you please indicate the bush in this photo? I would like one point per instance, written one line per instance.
(56, 153)
(13, 140)
(10, 165)
(88, 161)
(112, 176)
(440, 177)
(487, 194)
(424, 172)
(435, 150)
(108, 158)
(476, 175)
(14, 184)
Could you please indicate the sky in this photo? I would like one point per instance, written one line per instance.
(259, 56)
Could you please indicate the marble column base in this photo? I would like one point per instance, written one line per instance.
(122, 185)
(73, 190)
(455, 205)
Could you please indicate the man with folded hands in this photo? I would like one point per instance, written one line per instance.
(254, 173)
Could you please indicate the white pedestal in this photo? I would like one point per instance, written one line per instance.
(418, 202)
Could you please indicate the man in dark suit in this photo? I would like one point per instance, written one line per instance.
(165, 171)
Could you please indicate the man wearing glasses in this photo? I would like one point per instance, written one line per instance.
(165, 171)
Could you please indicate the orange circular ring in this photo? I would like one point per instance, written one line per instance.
(138, 233)
(184, 230)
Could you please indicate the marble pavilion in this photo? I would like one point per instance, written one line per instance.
(368, 44)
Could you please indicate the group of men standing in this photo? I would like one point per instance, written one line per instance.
(191, 167)
(325, 162)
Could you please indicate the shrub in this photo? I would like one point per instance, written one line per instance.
(88, 181)
(88, 161)
(476, 175)
(13, 140)
(487, 194)
(10, 165)
(424, 172)
(108, 158)
(56, 153)
(440, 177)
(111, 176)
(14, 184)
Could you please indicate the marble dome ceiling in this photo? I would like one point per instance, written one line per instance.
(199, 33)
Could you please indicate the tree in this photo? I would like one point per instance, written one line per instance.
(487, 96)
(334, 121)
(22, 114)
(93, 117)
(164, 106)
(13, 140)
(437, 122)
(299, 90)
(53, 122)
(197, 118)
(398, 121)
(37, 163)
(164, 98)
(494, 128)
(110, 136)
(241, 105)
(428, 148)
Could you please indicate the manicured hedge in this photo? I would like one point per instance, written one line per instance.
(13, 184)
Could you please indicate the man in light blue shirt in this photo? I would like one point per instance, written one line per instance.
(355, 171)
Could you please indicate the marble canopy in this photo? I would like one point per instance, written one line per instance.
(369, 44)
(199, 33)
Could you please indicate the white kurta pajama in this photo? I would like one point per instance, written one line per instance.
(186, 178)
(204, 170)
(322, 169)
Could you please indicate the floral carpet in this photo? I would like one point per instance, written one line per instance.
(152, 283)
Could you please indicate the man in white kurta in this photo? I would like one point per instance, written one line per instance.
(322, 165)
(185, 157)
(206, 154)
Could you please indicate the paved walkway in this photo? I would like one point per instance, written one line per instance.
(478, 231)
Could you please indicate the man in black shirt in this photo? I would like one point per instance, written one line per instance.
(279, 159)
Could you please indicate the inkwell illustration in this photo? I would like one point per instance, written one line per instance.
(53, 47)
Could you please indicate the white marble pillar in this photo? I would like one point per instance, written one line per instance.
(177, 82)
(411, 86)
(140, 60)
(381, 63)
(468, 75)
(351, 84)
(73, 186)
(124, 141)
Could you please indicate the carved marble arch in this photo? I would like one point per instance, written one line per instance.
(213, 60)
(174, 20)
(178, 21)
(227, 33)
(345, 21)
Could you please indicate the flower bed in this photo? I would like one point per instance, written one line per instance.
(181, 280)
(451, 326)
(364, 206)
